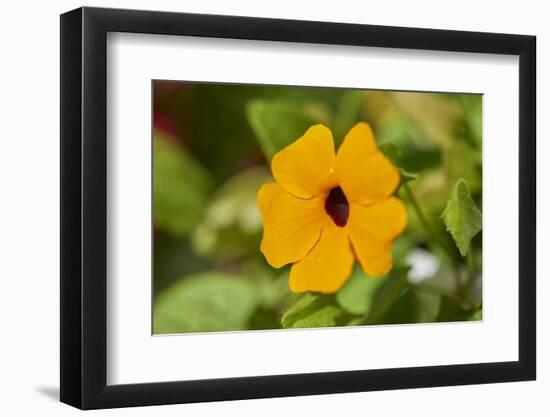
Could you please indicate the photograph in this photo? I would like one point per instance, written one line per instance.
(292, 207)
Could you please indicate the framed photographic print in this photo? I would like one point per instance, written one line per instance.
(257, 208)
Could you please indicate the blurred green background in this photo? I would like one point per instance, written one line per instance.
(212, 147)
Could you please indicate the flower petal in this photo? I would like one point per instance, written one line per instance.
(327, 267)
(383, 221)
(305, 168)
(373, 255)
(364, 173)
(372, 229)
(291, 225)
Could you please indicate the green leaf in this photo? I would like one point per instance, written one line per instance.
(205, 302)
(180, 186)
(357, 294)
(277, 123)
(461, 217)
(315, 311)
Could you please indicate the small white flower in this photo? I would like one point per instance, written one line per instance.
(423, 265)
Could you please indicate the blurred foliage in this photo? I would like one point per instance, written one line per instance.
(209, 301)
(230, 225)
(212, 144)
(180, 186)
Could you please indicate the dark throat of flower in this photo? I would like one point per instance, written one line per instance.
(337, 206)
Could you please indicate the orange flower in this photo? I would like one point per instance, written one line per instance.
(326, 209)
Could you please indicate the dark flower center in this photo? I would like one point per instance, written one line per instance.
(337, 206)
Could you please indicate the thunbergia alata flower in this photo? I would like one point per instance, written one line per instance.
(326, 209)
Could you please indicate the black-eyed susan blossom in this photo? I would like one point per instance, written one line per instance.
(326, 209)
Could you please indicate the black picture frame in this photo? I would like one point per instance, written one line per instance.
(84, 207)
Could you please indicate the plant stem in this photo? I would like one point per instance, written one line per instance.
(470, 276)
(432, 233)
(426, 224)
